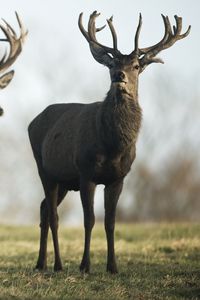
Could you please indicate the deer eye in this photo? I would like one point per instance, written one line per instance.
(135, 67)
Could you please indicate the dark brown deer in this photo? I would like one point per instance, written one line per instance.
(15, 44)
(78, 146)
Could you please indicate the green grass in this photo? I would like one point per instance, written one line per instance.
(155, 262)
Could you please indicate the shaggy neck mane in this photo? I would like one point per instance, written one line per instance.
(120, 120)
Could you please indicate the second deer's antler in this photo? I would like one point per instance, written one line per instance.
(15, 49)
(14, 41)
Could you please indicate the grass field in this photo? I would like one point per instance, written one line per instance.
(155, 262)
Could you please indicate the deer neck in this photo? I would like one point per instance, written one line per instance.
(120, 120)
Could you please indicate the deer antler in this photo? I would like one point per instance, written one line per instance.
(14, 42)
(99, 51)
(169, 38)
(146, 55)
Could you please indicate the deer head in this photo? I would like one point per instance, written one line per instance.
(124, 69)
(15, 48)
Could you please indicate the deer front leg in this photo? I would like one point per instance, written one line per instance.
(87, 190)
(111, 195)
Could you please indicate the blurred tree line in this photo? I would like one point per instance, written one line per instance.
(172, 194)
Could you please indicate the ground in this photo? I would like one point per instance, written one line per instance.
(156, 261)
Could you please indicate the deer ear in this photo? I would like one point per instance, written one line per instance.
(5, 79)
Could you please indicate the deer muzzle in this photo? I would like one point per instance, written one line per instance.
(119, 77)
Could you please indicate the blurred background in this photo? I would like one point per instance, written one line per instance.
(57, 66)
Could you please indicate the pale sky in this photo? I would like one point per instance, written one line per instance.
(54, 35)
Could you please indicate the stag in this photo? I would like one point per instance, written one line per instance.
(78, 146)
(15, 44)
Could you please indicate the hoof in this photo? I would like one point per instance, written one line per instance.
(58, 267)
(40, 267)
(84, 268)
(112, 269)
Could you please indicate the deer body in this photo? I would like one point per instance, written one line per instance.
(101, 146)
(78, 146)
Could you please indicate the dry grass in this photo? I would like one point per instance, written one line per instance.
(156, 261)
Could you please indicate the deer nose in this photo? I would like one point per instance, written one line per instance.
(119, 76)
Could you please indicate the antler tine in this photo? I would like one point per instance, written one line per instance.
(91, 26)
(168, 28)
(100, 28)
(182, 36)
(136, 50)
(10, 28)
(178, 27)
(23, 31)
(82, 29)
(114, 34)
(3, 58)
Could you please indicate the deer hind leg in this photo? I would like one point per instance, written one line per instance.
(87, 190)
(111, 195)
(44, 225)
(51, 198)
